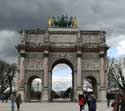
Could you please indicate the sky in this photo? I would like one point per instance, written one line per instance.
(61, 77)
(105, 15)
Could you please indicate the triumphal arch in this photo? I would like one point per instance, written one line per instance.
(85, 51)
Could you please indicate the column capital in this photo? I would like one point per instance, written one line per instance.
(46, 53)
(22, 53)
(79, 53)
(102, 53)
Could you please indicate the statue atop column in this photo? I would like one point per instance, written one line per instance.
(62, 22)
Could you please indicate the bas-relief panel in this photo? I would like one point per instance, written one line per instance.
(34, 60)
(91, 64)
(38, 55)
(71, 57)
(37, 38)
(63, 38)
(34, 64)
(89, 38)
(90, 55)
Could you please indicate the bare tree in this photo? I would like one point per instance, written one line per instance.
(3, 76)
(7, 72)
(116, 73)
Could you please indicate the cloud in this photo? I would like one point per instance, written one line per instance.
(61, 77)
(27, 14)
(8, 41)
(117, 44)
(61, 83)
(24, 14)
(121, 48)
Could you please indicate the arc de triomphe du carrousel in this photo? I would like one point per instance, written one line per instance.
(84, 51)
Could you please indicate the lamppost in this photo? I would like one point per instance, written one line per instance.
(10, 77)
(38, 86)
(10, 73)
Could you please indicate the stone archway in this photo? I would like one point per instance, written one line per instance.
(34, 89)
(84, 51)
(69, 64)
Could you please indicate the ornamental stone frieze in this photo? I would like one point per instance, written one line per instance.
(32, 55)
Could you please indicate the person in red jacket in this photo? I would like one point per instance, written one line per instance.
(81, 102)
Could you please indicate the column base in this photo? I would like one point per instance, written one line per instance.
(21, 91)
(45, 95)
(102, 94)
(78, 91)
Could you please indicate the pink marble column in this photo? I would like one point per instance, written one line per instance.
(21, 79)
(102, 70)
(46, 69)
(79, 69)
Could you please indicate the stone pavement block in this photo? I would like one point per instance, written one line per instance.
(57, 106)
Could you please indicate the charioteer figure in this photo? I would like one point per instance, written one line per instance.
(62, 21)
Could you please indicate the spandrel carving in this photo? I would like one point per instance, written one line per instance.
(33, 64)
(90, 64)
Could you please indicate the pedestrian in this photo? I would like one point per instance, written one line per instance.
(116, 103)
(6, 97)
(18, 101)
(108, 95)
(13, 98)
(2, 98)
(81, 102)
(92, 102)
(122, 103)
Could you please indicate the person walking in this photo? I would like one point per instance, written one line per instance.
(18, 101)
(108, 95)
(13, 98)
(6, 97)
(116, 104)
(2, 98)
(122, 103)
(81, 102)
(91, 102)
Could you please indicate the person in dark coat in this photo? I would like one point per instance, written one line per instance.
(18, 100)
(6, 97)
(108, 95)
(92, 102)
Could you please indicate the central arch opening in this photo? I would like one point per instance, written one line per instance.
(62, 82)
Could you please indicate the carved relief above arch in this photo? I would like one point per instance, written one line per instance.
(66, 58)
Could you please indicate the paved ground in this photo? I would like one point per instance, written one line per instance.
(57, 106)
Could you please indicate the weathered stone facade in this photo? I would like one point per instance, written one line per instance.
(84, 51)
